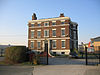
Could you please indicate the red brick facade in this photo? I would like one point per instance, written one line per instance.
(59, 38)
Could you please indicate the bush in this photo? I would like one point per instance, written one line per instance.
(15, 54)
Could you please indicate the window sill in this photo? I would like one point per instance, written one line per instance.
(62, 47)
(53, 36)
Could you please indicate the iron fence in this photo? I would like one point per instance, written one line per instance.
(92, 58)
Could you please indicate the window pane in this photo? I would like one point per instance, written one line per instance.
(32, 25)
(53, 32)
(38, 33)
(39, 45)
(54, 44)
(63, 32)
(63, 43)
(32, 44)
(32, 34)
(53, 23)
(62, 22)
(46, 24)
(46, 33)
(39, 24)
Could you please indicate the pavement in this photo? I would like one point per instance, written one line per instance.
(66, 70)
(16, 70)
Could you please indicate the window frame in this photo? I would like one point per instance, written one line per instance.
(62, 22)
(39, 24)
(47, 33)
(62, 43)
(52, 32)
(32, 25)
(32, 45)
(37, 33)
(32, 32)
(53, 43)
(46, 23)
(38, 44)
(61, 32)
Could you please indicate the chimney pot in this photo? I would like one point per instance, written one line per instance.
(61, 14)
(34, 16)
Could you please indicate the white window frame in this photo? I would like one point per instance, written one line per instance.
(31, 45)
(55, 43)
(38, 44)
(63, 21)
(52, 33)
(61, 32)
(39, 23)
(53, 22)
(31, 34)
(47, 33)
(61, 43)
(37, 34)
(47, 24)
(32, 24)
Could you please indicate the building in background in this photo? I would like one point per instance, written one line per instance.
(60, 33)
(96, 43)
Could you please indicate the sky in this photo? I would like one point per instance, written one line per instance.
(15, 14)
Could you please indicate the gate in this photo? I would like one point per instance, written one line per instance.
(44, 55)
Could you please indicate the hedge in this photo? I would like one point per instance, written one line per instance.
(16, 54)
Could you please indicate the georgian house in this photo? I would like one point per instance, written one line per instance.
(60, 33)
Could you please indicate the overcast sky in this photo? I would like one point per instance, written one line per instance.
(15, 14)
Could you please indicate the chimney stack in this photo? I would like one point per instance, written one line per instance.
(34, 16)
(61, 14)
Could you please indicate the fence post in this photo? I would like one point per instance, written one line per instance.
(86, 55)
(46, 49)
(99, 54)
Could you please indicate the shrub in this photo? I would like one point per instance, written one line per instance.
(15, 54)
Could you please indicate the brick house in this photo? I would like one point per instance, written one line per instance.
(60, 33)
